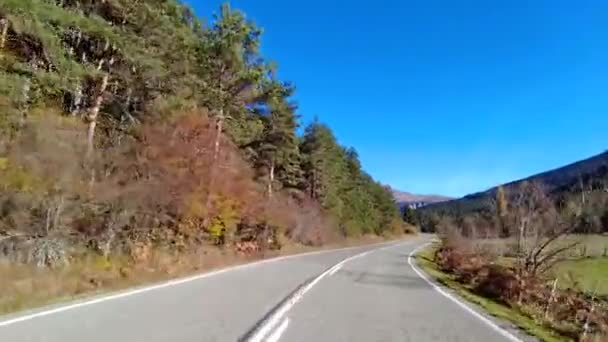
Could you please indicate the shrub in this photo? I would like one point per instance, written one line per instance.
(568, 312)
(497, 282)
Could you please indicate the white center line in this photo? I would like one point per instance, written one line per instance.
(282, 310)
(21, 317)
(276, 335)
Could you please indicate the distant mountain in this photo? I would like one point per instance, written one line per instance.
(408, 199)
(592, 172)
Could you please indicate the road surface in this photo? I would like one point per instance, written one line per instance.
(366, 293)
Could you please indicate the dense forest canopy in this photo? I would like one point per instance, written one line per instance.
(132, 120)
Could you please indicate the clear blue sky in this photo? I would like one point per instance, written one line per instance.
(447, 97)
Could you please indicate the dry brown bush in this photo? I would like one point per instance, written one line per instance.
(571, 313)
(174, 171)
(568, 312)
(160, 187)
(144, 207)
(497, 282)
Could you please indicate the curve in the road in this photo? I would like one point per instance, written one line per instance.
(360, 293)
(269, 329)
(261, 331)
(127, 293)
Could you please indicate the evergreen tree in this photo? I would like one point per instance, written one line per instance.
(324, 166)
(118, 65)
(409, 216)
(233, 72)
(277, 152)
(334, 177)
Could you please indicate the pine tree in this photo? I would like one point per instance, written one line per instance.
(334, 177)
(324, 166)
(120, 65)
(409, 216)
(232, 69)
(277, 152)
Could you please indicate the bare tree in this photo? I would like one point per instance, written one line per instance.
(541, 229)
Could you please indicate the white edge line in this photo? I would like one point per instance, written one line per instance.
(282, 310)
(464, 306)
(127, 293)
(276, 335)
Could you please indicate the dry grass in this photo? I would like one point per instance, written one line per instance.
(28, 286)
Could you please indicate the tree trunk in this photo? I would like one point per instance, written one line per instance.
(47, 226)
(25, 93)
(551, 299)
(216, 155)
(582, 191)
(218, 136)
(583, 200)
(94, 113)
(4, 24)
(77, 100)
(313, 192)
(127, 104)
(25, 97)
(58, 211)
(270, 179)
(267, 235)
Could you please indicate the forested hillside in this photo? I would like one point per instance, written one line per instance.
(585, 181)
(129, 125)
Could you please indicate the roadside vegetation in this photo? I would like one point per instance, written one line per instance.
(138, 142)
(426, 260)
(532, 260)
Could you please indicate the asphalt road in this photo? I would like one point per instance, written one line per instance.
(373, 296)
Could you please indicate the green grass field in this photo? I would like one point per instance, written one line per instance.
(589, 245)
(589, 275)
(587, 269)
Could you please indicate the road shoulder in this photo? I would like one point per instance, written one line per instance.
(509, 322)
